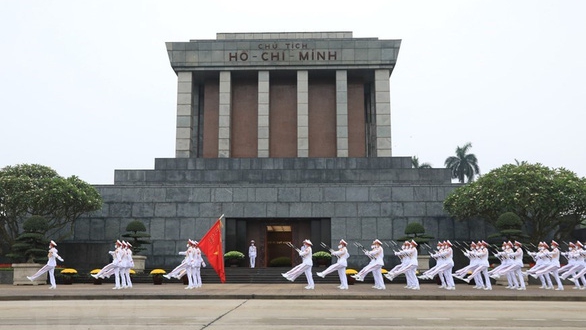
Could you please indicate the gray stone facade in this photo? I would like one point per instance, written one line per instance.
(365, 198)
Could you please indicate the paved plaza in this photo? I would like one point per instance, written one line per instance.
(359, 291)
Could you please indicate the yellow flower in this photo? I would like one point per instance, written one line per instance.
(95, 271)
(158, 271)
(351, 271)
(69, 271)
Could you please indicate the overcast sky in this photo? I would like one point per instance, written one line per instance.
(86, 86)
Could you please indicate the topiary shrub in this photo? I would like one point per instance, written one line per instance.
(31, 245)
(280, 262)
(416, 232)
(509, 226)
(136, 231)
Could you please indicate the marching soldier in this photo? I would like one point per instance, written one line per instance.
(305, 266)
(50, 266)
(376, 255)
(340, 266)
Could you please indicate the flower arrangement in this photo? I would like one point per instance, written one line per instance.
(234, 255)
(68, 274)
(69, 271)
(158, 271)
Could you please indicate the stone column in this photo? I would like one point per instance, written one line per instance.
(302, 114)
(224, 115)
(341, 113)
(263, 114)
(185, 109)
(383, 112)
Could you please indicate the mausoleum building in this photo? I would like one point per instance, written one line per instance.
(289, 136)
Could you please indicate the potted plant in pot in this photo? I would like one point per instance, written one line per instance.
(322, 258)
(233, 257)
(68, 274)
(138, 236)
(30, 250)
(157, 275)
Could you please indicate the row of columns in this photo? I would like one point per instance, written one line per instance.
(188, 133)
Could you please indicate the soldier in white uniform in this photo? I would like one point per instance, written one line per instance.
(340, 266)
(573, 265)
(305, 266)
(50, 266)
(481, 255)
(440, 266)
(181, 269)
(376, 255)
(541, 262)
(408, 267)
(252, 254)
(553, 265)
(118, 255)
(127, 264)
(110, 268)
(190, 265)
(581, 271)
(199, 262)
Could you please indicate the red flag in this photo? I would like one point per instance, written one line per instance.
(211, 245)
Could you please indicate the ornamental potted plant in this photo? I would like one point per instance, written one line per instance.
(29, 251)
(136, 232)
(68, 274)
(97, 281)
(157, 275)
(322, 258)
(233, 257)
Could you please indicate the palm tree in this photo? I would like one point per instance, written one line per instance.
(463, 164)
(415, 163)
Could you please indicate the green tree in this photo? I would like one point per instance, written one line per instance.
(547, 200)
(463, 165)
(415, 163)
(31, 189)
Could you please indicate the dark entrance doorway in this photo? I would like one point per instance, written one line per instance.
(271, 234)
(277, 252)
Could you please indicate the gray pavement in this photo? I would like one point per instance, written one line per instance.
(359, 291)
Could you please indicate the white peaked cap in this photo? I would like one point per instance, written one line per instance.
(128, 244)
(376, 241)
(53, 243)
(342, 241)
(308, 242)
(118, 242)
(414, 243)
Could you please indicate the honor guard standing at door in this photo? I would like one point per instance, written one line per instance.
(252, 254)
